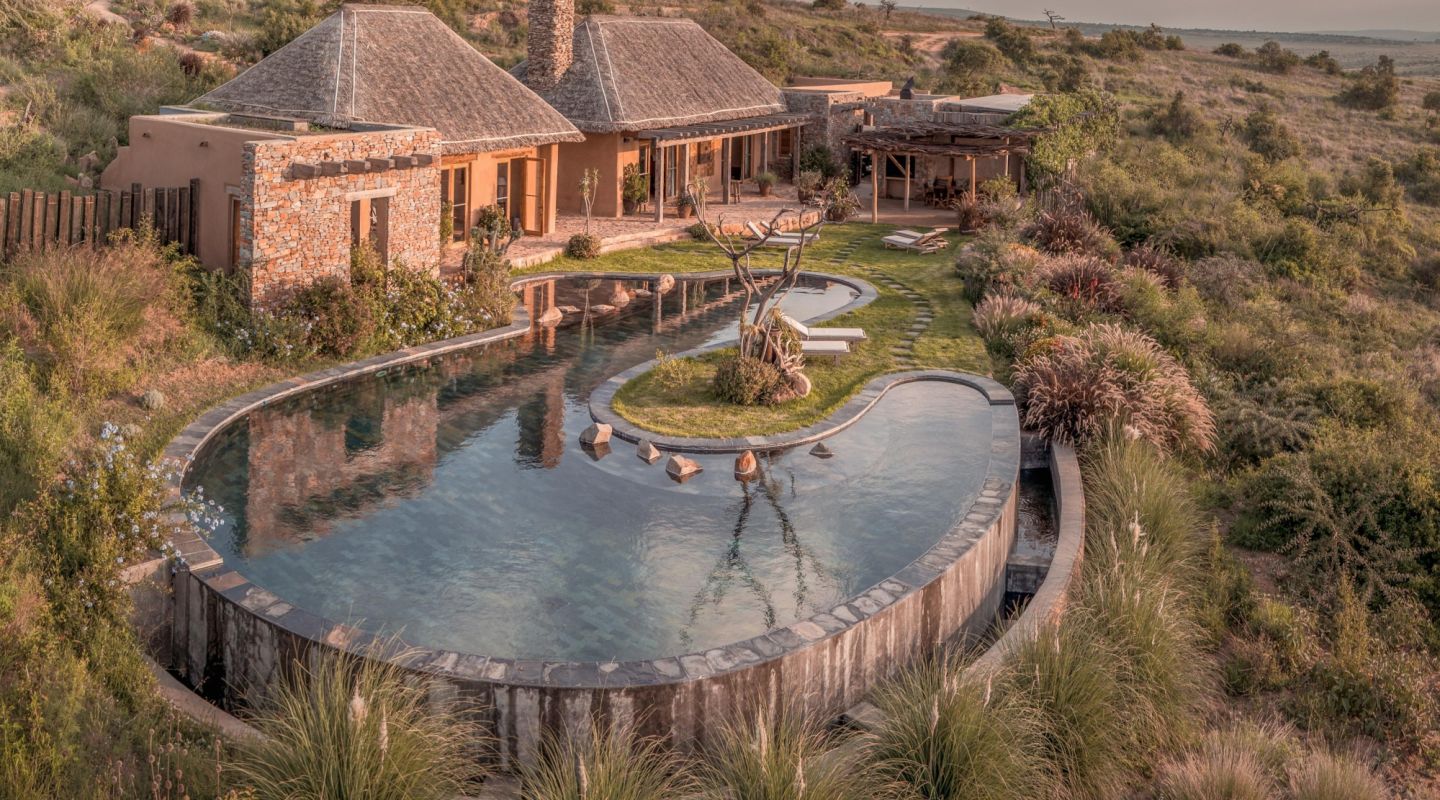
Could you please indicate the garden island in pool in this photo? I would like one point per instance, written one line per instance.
(445, 500)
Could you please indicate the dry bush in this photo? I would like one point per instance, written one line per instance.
(1085, 281)
(81, 313)
(1070, 229)
(1003, 313)
(1335, 776)
(1216, 773)
(993, 260)
(1158, 262)
(1078, 386)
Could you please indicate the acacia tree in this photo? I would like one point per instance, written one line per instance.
(762, 334)
(889, 7)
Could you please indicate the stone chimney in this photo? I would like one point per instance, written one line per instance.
(549, 46)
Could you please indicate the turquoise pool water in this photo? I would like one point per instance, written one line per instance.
(452, 504)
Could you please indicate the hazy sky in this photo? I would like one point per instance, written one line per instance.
(1274, 15)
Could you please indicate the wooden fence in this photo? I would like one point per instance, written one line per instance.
(31, 220)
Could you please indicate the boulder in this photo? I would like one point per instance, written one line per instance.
(619, 296)
(550, 318)
(681, 468)
(821, 451)
(647, 452)
(746, 466)
(597, 434)
(642, 293)
(601, 309)
(88, 162)
(664, 284)
(568, 310)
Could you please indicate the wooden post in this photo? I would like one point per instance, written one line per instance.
(794, 153)
(973, 190)
(765, 151)
(193, 216)
(87, 221)
(62, 228)
(50, 235)
(874, 187)
(725, 170)
(684, 169)
(659, 193)
(1022, 176)
(12, 224)
(137, 205)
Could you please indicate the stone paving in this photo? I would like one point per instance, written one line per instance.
(924, 311)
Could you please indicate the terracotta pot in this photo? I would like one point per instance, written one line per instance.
(631, 206)
(765, 190)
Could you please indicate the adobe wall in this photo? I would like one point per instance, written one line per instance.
(296, 229)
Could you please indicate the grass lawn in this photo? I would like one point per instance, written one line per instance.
(685, 406)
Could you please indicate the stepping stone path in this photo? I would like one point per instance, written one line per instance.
(904, 352)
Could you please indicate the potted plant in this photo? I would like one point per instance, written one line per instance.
(634, 188)
(685, 206)
(808, 184)
(765, 181)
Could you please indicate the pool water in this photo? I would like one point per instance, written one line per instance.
(451, 503)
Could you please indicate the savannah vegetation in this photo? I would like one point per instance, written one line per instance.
(1226, 301)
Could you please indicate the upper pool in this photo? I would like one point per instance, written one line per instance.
(452, 504)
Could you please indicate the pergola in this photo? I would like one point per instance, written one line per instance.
(706, 131)
(945, 140)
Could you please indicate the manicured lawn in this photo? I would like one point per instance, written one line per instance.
(686, 407)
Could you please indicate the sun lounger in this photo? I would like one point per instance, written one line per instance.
(925, 243)
(780, 238)
(824, 349)
(809, 334)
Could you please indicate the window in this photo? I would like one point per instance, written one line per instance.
(785, 146)
(455, 190)
(646, 154)
(673, 155)
(370, 223)
(502, 187)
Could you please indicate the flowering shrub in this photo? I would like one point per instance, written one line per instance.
(1158, 262)
(1006, 320)
(105, 515)
(1070, 229)
(993, 262)
(1075, 387)
(339, 321)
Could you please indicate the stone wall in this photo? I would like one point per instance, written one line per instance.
(833, 116)
(550, 42)
(295, 229)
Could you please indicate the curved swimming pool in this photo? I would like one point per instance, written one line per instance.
(451, 502)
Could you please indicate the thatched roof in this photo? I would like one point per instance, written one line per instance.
(398, 65)
(639, 73)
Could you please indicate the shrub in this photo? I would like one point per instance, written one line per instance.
(1374, 87)
(1180, 121)
(948, 736)
(1334, 776)
(672, 372)
(1086, 283)
(820, 158)
(747, 381)
(1421, 175)
(1065, 677)
(1216, 773)
(487, 296)
(605, 765)
(35, 430)
(970, 63)
(588, 7)
(766, 180)
(1072, 126)
(1158, 262)
(1274, 58)
(340, 321)
(1324, 62)
(81, 312)
(700, 231)
(1069, 228)
(839, 200)
(1267, 135)
(1231, 50)
(1012, 40)
(1075, 387)
(583, 246)
(1281, 642)
(354, 727)
(783, 755)
(992, 261)
(1003, 319)
(1431, 101)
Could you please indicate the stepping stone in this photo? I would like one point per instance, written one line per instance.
(647, 451)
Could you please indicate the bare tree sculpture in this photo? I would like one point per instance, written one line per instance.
(762, 334)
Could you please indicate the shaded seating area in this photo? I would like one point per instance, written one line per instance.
(953, 150)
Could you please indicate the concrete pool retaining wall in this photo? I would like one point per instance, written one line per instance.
(230, 639)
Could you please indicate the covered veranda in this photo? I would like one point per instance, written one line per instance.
(920, 156)
(747, 147)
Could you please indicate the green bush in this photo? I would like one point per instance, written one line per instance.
(820, 158)
(1324, 62)
(605, 765)
(35, 430)
(1374, 87)
(783, 755)
(340, 321)
(583, 246)
(994, 262)
(487, 298)
(355, 727)
(747, 381)
(948, 736)
(1268, 136)
(1231, 50)
(1274, 58)
(1180, 121)
(1011, 40)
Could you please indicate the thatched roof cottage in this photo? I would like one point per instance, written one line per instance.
(657, 93)
(379, 116)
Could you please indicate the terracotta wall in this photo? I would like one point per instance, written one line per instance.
(169, 150)
(606, 152)
(483, 184)
(296, 230)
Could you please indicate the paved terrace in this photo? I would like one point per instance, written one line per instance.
(640, 230)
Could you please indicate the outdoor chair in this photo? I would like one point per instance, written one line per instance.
(916, 242)
(779, 238)
(808, 334)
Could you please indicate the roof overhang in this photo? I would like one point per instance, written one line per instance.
(936, 139)
(701, 131)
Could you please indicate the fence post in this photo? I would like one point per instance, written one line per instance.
(192, 232)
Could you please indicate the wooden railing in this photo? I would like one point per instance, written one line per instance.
(39, 221)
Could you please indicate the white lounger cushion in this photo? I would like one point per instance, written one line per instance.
(780, 237)
(824, 334)
(833, 350)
